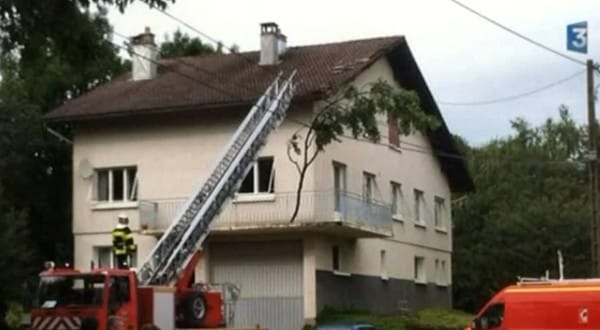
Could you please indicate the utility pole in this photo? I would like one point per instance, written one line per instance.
(593, 158)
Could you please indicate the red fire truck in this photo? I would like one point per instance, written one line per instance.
(159, 293)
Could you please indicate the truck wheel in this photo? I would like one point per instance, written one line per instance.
(194, 309)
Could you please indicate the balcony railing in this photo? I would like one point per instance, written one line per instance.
(275, 210)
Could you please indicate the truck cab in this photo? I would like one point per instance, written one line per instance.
(101, 299)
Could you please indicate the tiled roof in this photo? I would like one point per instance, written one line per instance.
(226, 79)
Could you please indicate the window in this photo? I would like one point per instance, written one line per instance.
(443, 275)
(339, 184)
(335, 258)
(419, 216)
(393, 131)
(396, 201)
(420, 270)
(492, 317)
(382, 265)
(104, 257)
(439, 212)
(368, 187)
(261, 177)
(117, 184)
(440, 272)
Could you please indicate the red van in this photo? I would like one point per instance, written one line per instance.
(549, 304)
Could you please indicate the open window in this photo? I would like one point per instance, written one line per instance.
(261, 177)
(116, 184)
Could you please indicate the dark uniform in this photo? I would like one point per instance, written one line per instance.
(123, 244)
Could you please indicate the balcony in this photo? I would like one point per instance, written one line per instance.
(344, 214)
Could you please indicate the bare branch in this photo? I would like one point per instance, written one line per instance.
(289, 154)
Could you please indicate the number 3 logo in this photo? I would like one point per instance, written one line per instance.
(580, 37)
(577, 37)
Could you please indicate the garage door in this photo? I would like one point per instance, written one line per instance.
(270, 277)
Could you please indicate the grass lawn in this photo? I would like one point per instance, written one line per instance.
(427, 319)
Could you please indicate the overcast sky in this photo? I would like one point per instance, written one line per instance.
(462, 57)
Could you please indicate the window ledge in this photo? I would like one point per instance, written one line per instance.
(113, 205)
(441, 285)
(421, 225)
(253, 198)
(339, 273)
(385, 278)
(398, 217)
(441, 230)
(420, 282)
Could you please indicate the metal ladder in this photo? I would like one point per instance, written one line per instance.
(186, 234)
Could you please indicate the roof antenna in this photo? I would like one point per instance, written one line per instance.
(561, 266)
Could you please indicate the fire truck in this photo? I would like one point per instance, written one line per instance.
(160, 294)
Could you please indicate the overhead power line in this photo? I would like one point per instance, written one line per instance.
(518, 34)
(516, 96)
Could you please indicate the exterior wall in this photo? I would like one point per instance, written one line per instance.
(360, 292)
(172, 154)
(361, 259)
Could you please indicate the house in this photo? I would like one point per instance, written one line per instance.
(374, 230)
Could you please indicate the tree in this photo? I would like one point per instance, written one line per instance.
(183, 45)
(15, 255)
(355, 110)
(44, 68)
(531, 201)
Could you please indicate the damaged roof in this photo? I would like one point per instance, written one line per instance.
(227, 80)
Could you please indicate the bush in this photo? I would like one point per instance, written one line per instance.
(426, 319)
(14, 316)
(438, 319)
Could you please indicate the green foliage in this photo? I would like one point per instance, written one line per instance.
(426, 319)
(14, 316)
(357, 111)
(49, 66)
(29, 22)
(35, 175)
(183, 45)
(531, 201)
(438, 319)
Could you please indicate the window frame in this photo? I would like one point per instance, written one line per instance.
(397, 197)
(339, 177)
(393, 131)
(419, 207)
(383, 264)
(439, 213)
(254, 169)
(97, 249)
(420, 274)
(369, 187)
(129, 194)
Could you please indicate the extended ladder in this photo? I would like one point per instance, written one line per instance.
(186, 235)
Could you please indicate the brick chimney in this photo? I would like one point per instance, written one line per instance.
(272, 44)
(144, 56)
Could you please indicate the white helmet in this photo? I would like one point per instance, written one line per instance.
(123, 219)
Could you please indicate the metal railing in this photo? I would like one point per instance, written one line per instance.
(267, 210)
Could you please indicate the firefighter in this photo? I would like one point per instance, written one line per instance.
(123, 245)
